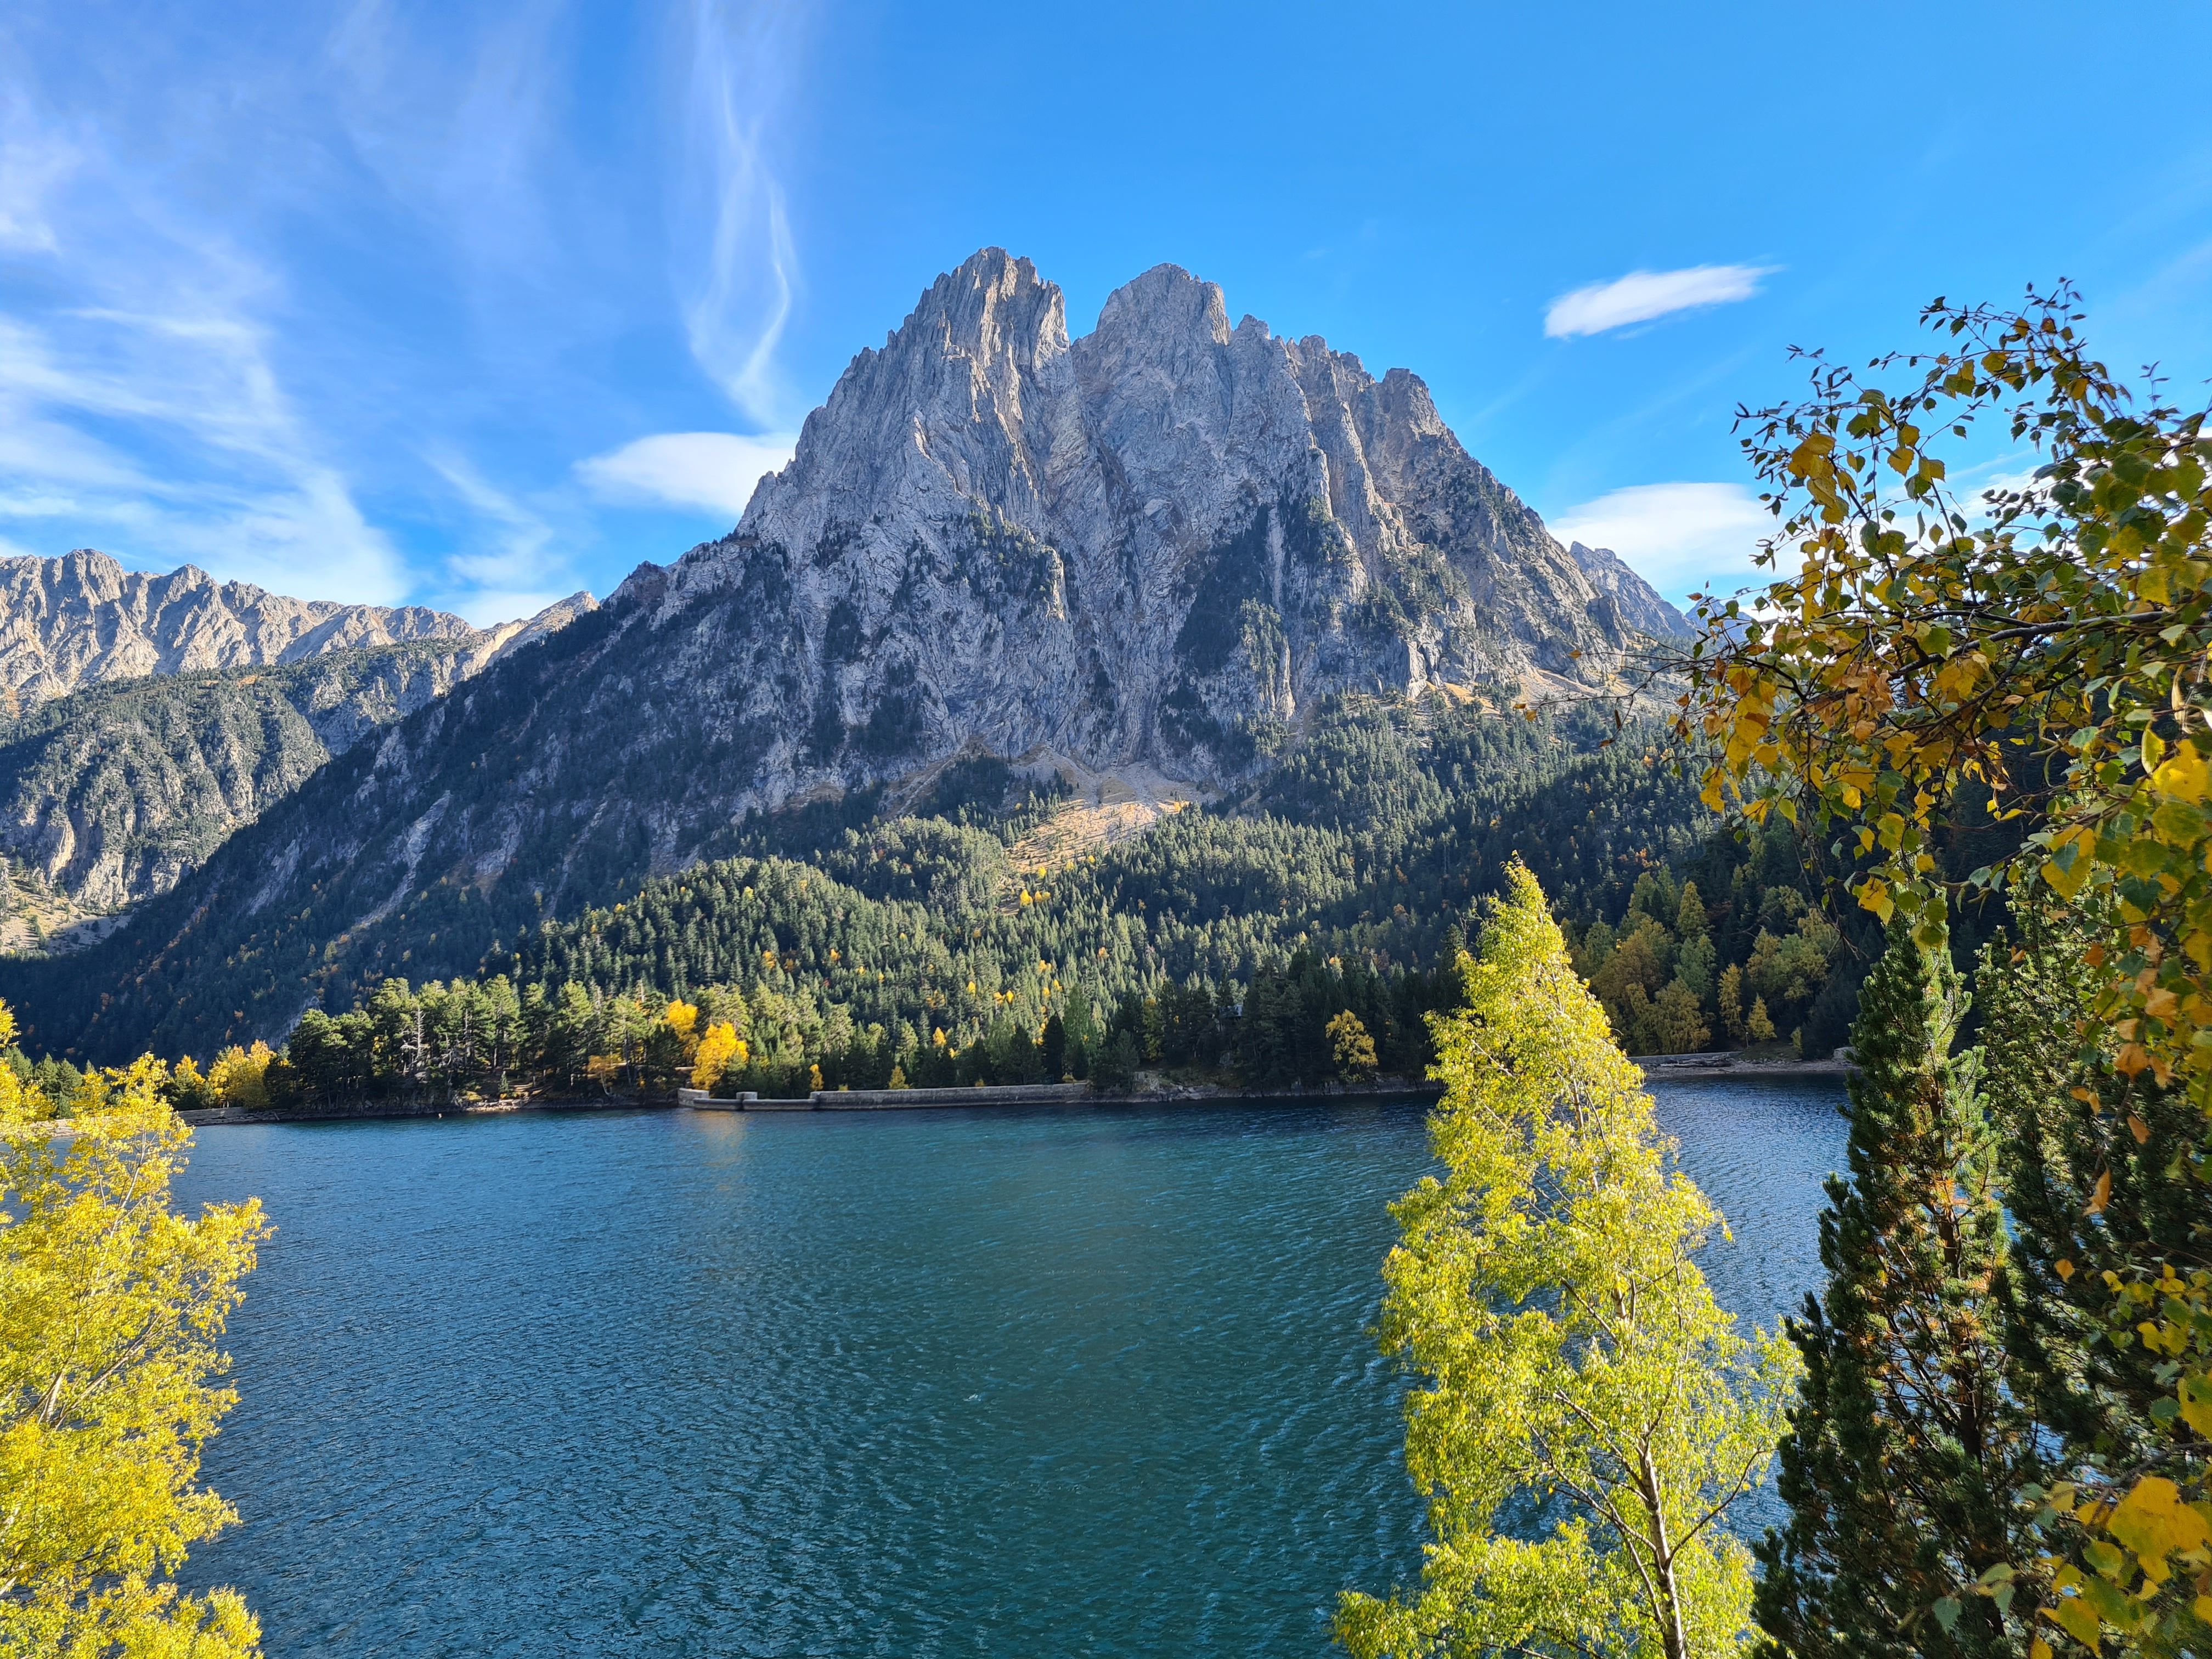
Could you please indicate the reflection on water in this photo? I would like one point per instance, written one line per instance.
(918, 1384)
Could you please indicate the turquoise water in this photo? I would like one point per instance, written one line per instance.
(917, 1383)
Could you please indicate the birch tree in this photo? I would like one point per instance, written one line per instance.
(112, 1306)
(1588, 1415)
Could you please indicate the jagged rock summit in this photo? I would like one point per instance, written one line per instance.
(82, 619)
(1159, 543)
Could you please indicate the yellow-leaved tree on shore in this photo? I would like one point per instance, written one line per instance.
(1589, 1414)
(112, 1306)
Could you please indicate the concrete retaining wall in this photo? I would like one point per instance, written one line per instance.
(883, 1100)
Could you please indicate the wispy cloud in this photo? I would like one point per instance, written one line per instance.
(1679, 537)
(739, 285)
(329, 301)
(32, 163)
(1641, 295)
(510, 566)
(715, 471)
(220, 469)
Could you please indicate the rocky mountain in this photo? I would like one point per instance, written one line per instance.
(1639, 602)
(82, 619)
(1150, 550)
(1160, 542)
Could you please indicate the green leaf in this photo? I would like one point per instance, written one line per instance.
(2074, 1617)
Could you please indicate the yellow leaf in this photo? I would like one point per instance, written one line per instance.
(1874, 895)
(2153, 1521)
(2066, 882)
(2102, 1196)
(2184, 774)
(2196, 1394)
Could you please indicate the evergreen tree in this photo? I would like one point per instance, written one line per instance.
(2085, 1160)
(1905, 1452)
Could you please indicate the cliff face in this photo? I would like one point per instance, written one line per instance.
(1158, 544)
(1150, 550)
(1640, 606)
(84, 619)
(113, 793)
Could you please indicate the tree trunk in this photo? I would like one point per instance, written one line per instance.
(1675, 1640)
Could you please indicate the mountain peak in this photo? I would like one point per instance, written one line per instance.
(1166, 299)
(1145, 544)
(991, 301)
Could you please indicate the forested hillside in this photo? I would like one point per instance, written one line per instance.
(112, 793)
(940, 946)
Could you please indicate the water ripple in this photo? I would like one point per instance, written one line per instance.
(912, 1384)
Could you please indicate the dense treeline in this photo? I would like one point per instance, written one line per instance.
(942, 944)
(939, 944)
(1742, 942)
(1305, 1023)
(838, 942)
(1728, 948)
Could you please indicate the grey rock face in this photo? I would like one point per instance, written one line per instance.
(82, 619)
(1639, 602)
(1159, 544)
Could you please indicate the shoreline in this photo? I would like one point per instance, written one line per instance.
(1684, 1068)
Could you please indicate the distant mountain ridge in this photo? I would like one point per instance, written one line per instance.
(1152, 551)
(84, 619)
(148, 716)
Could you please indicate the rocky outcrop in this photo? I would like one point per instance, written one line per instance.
(1638, 602)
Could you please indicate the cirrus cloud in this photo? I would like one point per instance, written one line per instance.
(715, 470)
(1641, 295)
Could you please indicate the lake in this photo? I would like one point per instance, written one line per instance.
(1052, 1382)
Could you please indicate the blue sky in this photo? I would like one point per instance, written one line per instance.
(476, 304)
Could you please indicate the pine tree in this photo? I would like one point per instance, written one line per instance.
(1053, 1043)
(1905, 1452)
(2085, 1157)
